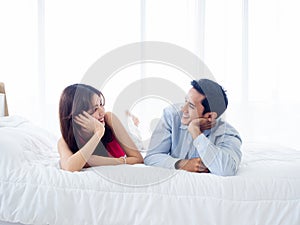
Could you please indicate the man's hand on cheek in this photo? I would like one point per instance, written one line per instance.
(194, 127)
(209, 122)
(197, 126)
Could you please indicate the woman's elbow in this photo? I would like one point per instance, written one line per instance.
(140, 159)
(70, 168)
(137, 159)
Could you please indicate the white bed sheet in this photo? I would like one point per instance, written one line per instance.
(33, 190)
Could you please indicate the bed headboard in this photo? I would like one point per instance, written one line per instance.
(2, 90)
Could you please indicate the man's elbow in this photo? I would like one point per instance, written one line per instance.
(147, 160)
(228, 172)
(225, 171)
(228, 166)
(151, 160)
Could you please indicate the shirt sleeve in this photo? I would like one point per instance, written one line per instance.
(222, 155)
(158, 153)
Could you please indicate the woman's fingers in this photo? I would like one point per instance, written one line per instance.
(79, 121)
(83, 116)
(87, 115)
(83, 119)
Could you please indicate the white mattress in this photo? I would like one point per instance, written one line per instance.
(33, 190)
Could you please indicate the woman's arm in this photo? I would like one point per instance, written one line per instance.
(76, 161)
(96, 160)
(131, 151)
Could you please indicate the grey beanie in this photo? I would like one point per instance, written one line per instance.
(216, 99)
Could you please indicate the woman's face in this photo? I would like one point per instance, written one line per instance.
(97, 110)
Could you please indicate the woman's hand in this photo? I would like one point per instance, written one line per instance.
(89, 124)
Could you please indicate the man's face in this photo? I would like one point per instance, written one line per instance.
(193, 107)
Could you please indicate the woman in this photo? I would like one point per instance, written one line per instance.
(87, 129)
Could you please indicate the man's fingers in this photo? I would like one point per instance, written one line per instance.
(203, 171)
(206, 171)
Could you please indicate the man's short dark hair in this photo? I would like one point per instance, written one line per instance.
(215, 96)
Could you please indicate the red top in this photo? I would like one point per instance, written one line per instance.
(114, 149)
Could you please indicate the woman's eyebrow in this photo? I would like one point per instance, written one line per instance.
(98, 103)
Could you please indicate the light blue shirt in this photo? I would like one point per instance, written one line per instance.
(218, 148)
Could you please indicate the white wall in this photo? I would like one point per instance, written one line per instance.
(251, 47)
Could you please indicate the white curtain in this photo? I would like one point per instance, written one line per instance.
(19, 56)
(251, 47)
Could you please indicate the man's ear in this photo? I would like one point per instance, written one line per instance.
(212, 115)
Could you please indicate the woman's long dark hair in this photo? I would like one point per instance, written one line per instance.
(75, 99)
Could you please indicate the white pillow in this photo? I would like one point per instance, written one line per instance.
(22, 143)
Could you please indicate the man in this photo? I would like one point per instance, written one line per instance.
(193, 137)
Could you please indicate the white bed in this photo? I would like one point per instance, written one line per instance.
(34, 190)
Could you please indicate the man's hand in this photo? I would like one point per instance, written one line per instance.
(193, 165)
(197, 126)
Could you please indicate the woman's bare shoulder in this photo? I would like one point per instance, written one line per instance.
(110, 117)
(63, 147)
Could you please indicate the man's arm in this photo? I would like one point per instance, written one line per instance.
(221, 153)
(192, 165)
(160, 145)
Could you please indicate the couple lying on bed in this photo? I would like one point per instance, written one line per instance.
(191, 136)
